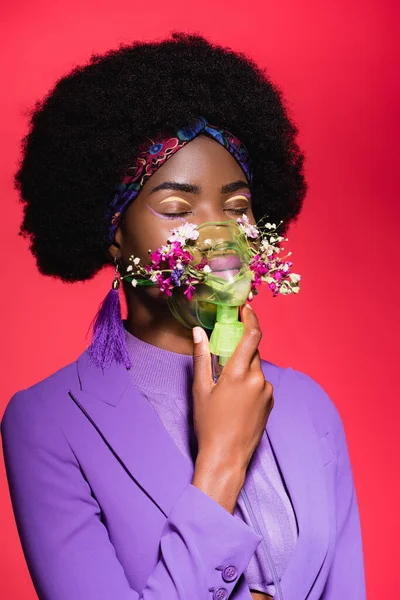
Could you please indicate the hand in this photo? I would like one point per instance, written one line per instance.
(230, 416)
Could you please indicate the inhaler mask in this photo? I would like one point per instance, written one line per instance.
(208, 271)
(214, 305)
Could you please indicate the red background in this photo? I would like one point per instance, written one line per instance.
(337, 65)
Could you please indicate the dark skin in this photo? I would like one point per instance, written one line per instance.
(213, 187)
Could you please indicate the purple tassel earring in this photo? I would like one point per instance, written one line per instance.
(108, 340)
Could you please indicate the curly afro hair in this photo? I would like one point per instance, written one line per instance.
(85, 133)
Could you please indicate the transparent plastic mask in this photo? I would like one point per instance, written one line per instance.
(223, 246)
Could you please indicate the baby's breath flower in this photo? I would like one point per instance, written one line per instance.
(136, 261)
(129, 268)
(207, 269)
(134, 282)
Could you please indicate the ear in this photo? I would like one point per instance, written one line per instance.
(115, 248)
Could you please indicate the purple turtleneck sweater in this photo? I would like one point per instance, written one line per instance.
(165, 379)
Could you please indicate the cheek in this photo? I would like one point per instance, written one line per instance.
(147, 292)
(142, 233)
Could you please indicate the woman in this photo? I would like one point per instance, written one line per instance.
(125, 467)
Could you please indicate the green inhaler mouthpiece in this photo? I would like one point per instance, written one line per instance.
(225, 337)
(226, 333)
(215, 302)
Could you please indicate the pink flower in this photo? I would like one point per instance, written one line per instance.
(184, 232)
(250, 230)
(189, 289)
(273, 287)
(155, 257)
(165, 284)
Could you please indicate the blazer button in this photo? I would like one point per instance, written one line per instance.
(220, 594)
(229, 573)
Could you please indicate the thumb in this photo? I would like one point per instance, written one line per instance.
(202, 370)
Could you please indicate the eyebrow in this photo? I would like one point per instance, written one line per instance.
(196, 189)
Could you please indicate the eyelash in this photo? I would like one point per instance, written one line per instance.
(178, 215)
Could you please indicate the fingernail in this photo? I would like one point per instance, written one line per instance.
(248, 306)
(197, 336)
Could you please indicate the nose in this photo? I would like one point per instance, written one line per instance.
(207, 214)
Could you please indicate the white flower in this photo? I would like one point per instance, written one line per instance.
(136, 261)
(294, 277)
(268, 225)
(184, 232)
(179, 266)
(129, 268)
(134, 282)
(272, 239)
(267, 249)
(280, 238)
(284, 290)
(244, 218)
(153, 278)
(250, 296)
(265, 245)
(249, 229)
(207, 269)
(208, 242)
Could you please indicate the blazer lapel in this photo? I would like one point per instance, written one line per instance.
(132, 430)
(134, 433)
(296, 446)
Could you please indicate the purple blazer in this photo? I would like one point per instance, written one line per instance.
(106, 510)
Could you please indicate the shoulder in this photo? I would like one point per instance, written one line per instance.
(302, 387)
(30, 406)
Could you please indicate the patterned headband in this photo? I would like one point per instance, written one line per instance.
(150, 159)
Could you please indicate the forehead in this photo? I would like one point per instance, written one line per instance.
(202, 159)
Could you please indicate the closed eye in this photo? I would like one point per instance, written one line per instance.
(237, 211)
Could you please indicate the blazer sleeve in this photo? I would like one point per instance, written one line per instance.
(346, 578)
(66, 545)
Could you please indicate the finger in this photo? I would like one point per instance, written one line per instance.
(248, 344)
(255, 364)
(202, 368)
